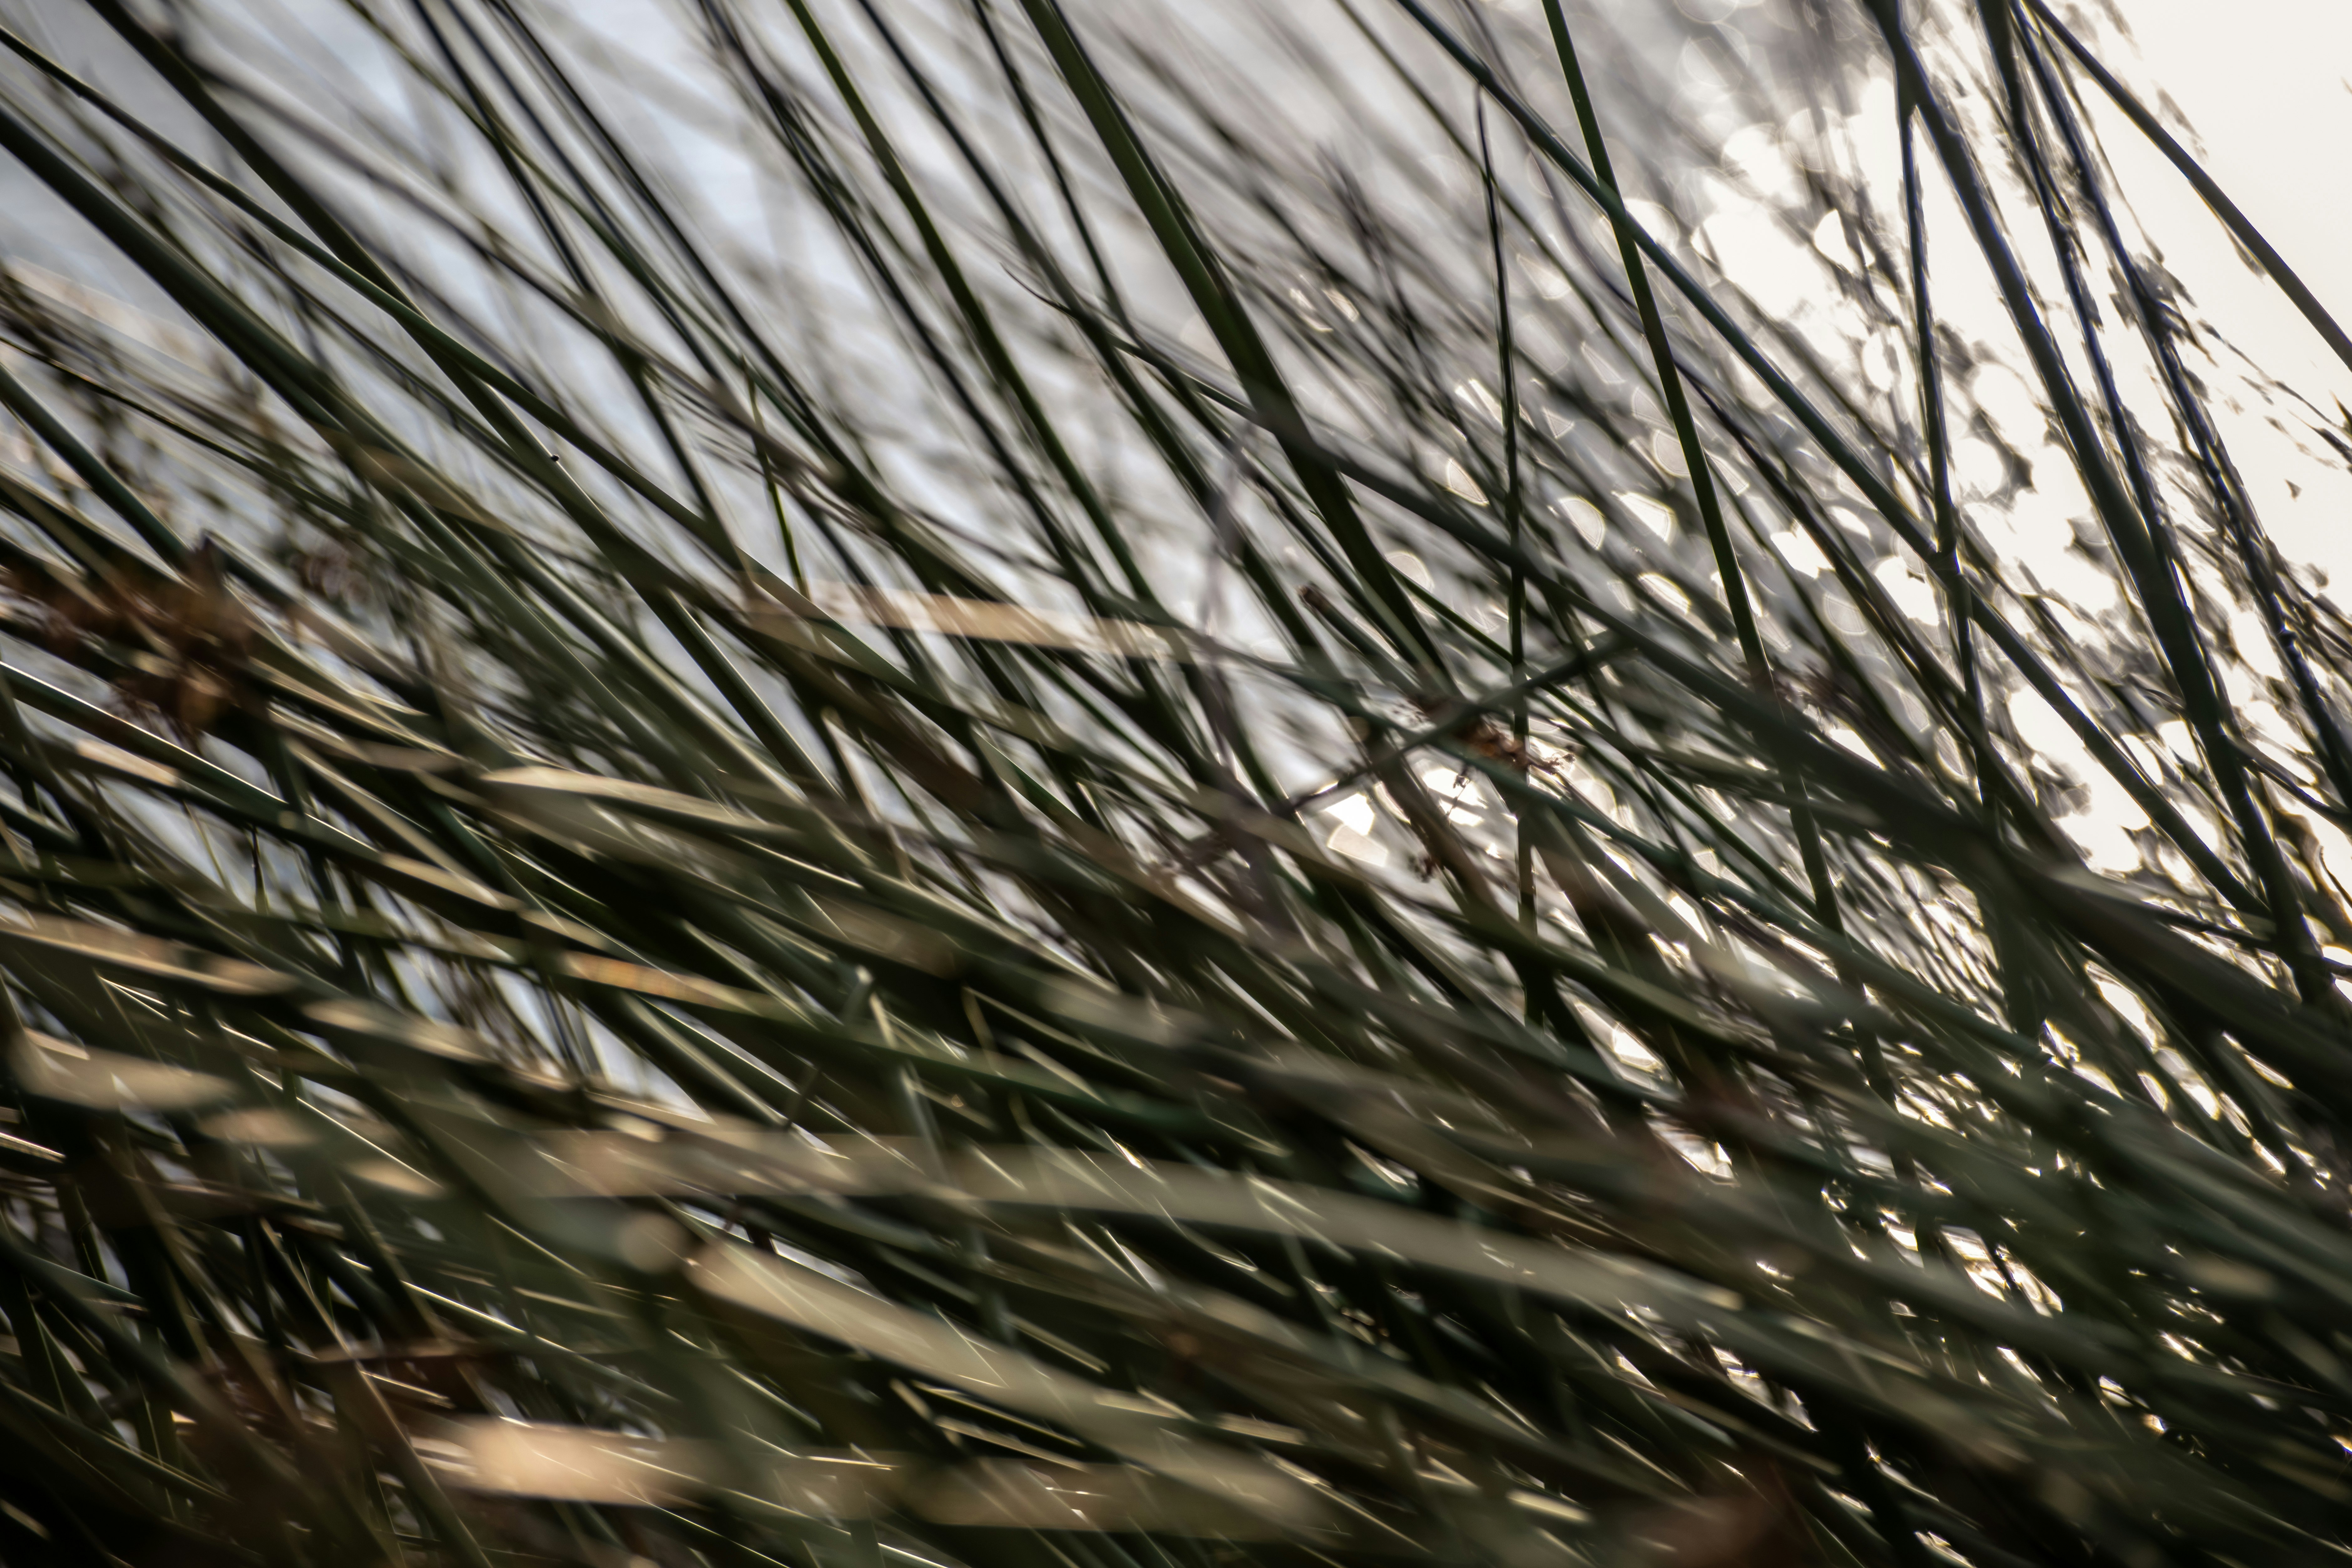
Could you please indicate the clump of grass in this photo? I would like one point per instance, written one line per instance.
(852, 782)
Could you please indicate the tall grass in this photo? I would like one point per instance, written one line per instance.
(858, 783)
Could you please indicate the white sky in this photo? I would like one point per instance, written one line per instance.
(2264, 84)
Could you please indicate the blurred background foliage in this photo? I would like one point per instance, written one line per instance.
(928, 782)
